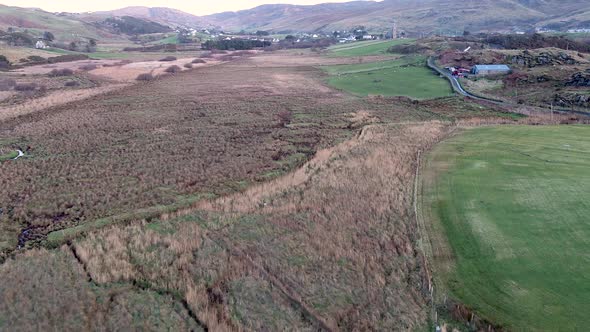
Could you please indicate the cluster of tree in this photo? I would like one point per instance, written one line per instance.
(185, 37)
(17, 38)
(48, 36)
(4, 63)
(79, 46)
(359, 32)
(290, 41)
(234, 44)
(132, 25)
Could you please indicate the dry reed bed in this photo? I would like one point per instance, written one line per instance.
(335, 239)
(209, 131)
(154, 144)
(48, 290)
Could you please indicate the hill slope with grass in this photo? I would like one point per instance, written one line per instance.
(65, 27)
(413, 16)
(162, 15)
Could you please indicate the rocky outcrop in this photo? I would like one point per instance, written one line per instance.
(571, 99)
(580, 79)
(527, 59)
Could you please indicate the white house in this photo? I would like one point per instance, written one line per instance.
(40, 45)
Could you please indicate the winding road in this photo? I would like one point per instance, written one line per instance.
(459, 89)
(456, 85)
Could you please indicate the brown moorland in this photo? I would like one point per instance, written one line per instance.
(179, 193)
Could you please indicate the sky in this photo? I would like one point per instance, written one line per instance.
(197, 7)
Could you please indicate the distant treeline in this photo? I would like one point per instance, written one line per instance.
(163, 47)
(234, 44)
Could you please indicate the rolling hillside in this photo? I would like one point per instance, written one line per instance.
(420, 16)
(162, 15)
(65, 27)
(414, 16)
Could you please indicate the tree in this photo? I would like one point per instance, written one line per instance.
(73, 46)
(4, 63)
(466, 33)
(260, 33)
(48, 36)
(290, 38)
(92, 42)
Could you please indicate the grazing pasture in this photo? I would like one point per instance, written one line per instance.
(364, 48)
(508, 210)
(407, 76)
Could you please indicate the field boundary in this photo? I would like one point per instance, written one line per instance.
(439, 295)
(424, 242)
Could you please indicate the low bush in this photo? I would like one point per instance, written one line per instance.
(26, 87)
(188, 65)
(173, 69)
(7, 84)
(61, 72)
(33, 60)
(4, 63)
(67, 58)
(168, 58)
(88, 67)
(198, 61)
(145, 77)
(72, 83)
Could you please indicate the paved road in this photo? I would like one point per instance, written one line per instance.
(456, 85)
(459, 89)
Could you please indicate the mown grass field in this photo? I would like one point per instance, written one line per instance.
(513, 204)
(366, 47)
(406, 76)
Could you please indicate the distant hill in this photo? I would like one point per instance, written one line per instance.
(132, 25)
(65, 27)
(413, 16)
(417, 16)
(166, 16)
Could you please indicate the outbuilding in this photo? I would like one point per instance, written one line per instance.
(490, 69)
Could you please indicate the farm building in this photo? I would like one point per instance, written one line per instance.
(490, 69)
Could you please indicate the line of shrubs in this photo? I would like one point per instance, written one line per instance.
(60, 72)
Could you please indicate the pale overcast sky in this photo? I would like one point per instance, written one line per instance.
(197, 7)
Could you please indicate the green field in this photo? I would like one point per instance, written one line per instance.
(8, 156)
(510, 205)
(406, 76)
(366, 47)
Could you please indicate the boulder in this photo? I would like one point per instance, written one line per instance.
(526, 59)
(580, 79)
